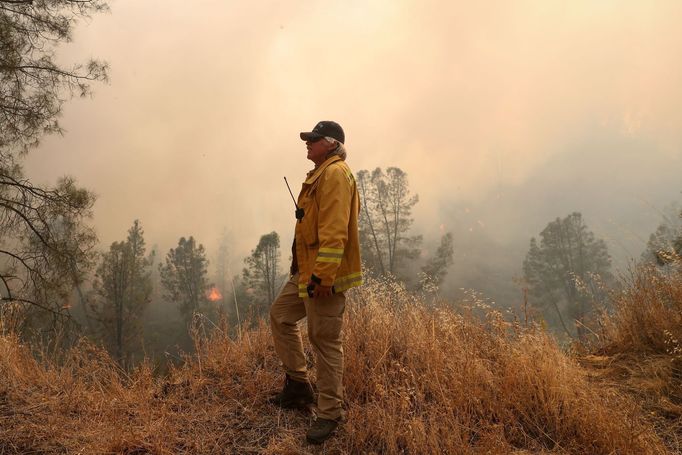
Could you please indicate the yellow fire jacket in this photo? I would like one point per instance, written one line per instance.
(327, 241)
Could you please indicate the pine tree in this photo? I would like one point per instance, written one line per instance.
(184, 277)
(123, 286)
(262, 271)
(566, 270)
(33, 86)
(46, 248)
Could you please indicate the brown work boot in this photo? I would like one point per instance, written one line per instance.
(321, 430)
(294, 395)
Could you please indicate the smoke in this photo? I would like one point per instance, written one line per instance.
(519, 111)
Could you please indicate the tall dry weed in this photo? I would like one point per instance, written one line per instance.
(648, 313)
(430, 380)
(640, 351)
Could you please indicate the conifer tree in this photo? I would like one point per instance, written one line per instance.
(184, 277)
(123, 286)
(565, 271)
(46, 247)
(262, 272)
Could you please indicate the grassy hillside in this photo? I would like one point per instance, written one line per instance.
(420, 378)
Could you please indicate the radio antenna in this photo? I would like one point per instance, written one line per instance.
(299, 211)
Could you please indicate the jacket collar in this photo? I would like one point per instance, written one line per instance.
(315, 173)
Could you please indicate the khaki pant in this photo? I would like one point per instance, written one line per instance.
(325, 321)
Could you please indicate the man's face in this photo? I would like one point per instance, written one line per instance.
(317, 150)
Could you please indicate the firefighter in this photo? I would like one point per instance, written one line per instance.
(325, 264)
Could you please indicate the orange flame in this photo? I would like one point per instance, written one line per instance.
(214, 294)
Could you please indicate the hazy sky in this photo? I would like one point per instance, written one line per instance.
(504, 114)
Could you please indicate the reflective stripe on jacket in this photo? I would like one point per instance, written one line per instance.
(327, 239)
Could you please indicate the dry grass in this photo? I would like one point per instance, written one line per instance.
(419, 379)
(648, 313)
(640, 352)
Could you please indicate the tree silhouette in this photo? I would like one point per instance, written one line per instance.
(184, 277)
(262, 270)
(385, 220)
(565, 269)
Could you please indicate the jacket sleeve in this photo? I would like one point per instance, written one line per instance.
(334, 201)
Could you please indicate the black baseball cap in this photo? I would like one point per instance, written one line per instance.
(325, 128)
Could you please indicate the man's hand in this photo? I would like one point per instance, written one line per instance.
(320, 291)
